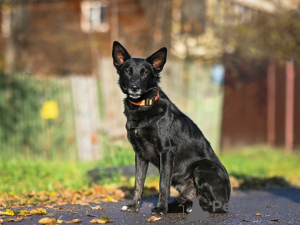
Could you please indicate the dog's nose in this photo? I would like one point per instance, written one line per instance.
(134, 88)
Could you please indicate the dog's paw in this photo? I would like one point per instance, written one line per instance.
(130, 208)
(159, 211)
(189, 210)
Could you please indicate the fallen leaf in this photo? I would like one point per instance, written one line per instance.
(88, 214)
(73, 207)
(103, 219)
(47, 220)
(60, 208)
(23, 213)
(59, 221)
(257, 214)
(153, 218)
(18, 219)
(38, 211)
(1, 221)
(246, 221)
(110, 199)
(8, 212)
(98, 207)
(276, 220)
(74, 221)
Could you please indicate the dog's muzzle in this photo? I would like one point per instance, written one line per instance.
(134, 92)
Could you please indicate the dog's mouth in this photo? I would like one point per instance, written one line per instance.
(134, 95)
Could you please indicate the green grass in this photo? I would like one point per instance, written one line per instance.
(19, 176)
(263, 162)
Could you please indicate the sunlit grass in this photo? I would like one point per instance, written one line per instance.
(19, 175)
(263, 162)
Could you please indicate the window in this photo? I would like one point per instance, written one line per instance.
(94, 16)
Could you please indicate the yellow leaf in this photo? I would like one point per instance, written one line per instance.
(47, 220)
(257, 214)
(74, 221)
(24, 213)
(2, 213)
(38, 211)
(153, 218)
(10, 212)
(110, 199)
(1, 221)
(103, 219)
(59, 221)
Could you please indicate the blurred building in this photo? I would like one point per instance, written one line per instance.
(69, 36)
(49, 37)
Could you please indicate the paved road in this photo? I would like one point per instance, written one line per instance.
(281, 205)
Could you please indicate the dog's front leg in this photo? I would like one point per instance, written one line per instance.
(141, 167)
(166, 169)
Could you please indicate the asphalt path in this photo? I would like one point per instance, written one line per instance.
(268, 206)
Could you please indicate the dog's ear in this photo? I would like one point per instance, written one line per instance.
(158, 59)
(119, 54)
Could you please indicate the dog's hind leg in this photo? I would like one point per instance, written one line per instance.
(183, 202)
(212, 185)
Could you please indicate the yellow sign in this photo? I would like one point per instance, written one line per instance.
(49, 110)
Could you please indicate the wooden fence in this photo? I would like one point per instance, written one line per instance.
(88, 107)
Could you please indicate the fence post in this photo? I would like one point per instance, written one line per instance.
(271, 104)
(87, 120)
(289, 107)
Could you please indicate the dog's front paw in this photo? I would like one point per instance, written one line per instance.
(130, 208)
(159, 211)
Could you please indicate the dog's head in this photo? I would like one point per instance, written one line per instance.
(137, 76)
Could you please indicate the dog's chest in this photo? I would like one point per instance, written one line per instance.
(144, 142)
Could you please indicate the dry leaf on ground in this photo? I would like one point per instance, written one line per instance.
(153, 218)
(98, 207)
(73, 207)
(88, 214)
(8, 212)
(38, 211)
(257, 214)
(47, 220)
(74, 221)
(23, 213)
(103, 219)
(18, 219)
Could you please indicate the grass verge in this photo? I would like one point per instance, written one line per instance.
(256, 165)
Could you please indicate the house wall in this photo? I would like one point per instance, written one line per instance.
(53, 42)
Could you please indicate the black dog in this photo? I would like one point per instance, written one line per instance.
(161, 134)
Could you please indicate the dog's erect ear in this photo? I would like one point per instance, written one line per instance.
(119, 54)
(158, 59)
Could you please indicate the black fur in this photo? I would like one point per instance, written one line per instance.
(162, 135)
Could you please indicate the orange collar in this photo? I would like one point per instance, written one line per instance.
(146, 101)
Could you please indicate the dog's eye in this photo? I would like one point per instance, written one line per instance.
(144, 72)
(128, 71)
